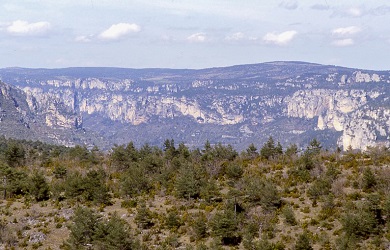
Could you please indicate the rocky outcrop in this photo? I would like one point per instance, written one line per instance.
(343, 110)
(22, 116)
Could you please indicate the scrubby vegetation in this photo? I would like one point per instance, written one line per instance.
(175, 197)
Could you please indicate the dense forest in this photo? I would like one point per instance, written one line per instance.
(173, 197)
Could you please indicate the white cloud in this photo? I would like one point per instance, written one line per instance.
(235, 37)
(117, 31)
(346, 31)
(281, 38)
(355, 12)
(83, 39)
(197, 37)
(24, 28)
(343, 42)
(290, 5)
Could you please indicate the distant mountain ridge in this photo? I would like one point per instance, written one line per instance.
(291, 101)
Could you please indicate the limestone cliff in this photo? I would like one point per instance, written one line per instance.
(292, 101)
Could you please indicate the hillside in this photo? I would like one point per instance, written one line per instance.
(238, 105)
(172, 197)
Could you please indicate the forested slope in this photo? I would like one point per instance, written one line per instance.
(173, 197)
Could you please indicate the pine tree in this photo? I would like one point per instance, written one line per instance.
(39, 187)
(173, 221)
(278, 149)
(262, 192)
(269, 150)
(169, 149)
(369, 180)
(292, 150)
(83, 229)
(252, 151)
(134, 181)
(199, 226)
(224, 225)
(187, 183)
(113, 234)
(314, 147)
(95, 187)
(14, 154)
(144, 216)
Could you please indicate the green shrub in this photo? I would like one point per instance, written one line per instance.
(199, 226)
(263, 244)
(234, 171)
(89, 229)
(289, 216)
(60, 172)
(188, 182)
(173, 220)
(39, 188)
(319, 188)
(224, 225)
(303, 242)
(134, 181)
(113, 234)
(144, 216)
(14, 181)
(92, 187)
(82, 230)
(262, 192)
(328, 208)
(129, 203)
(369, 180)
(360, 220)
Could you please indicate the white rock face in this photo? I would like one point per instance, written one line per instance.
(308, 103)
(365, 77)
(341, 110)
(131, 108)
(57, 108)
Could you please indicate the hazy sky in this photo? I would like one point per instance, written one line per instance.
(193, 33)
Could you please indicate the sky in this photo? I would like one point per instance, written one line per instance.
(193, 33)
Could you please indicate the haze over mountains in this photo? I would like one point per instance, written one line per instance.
(292, 101)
